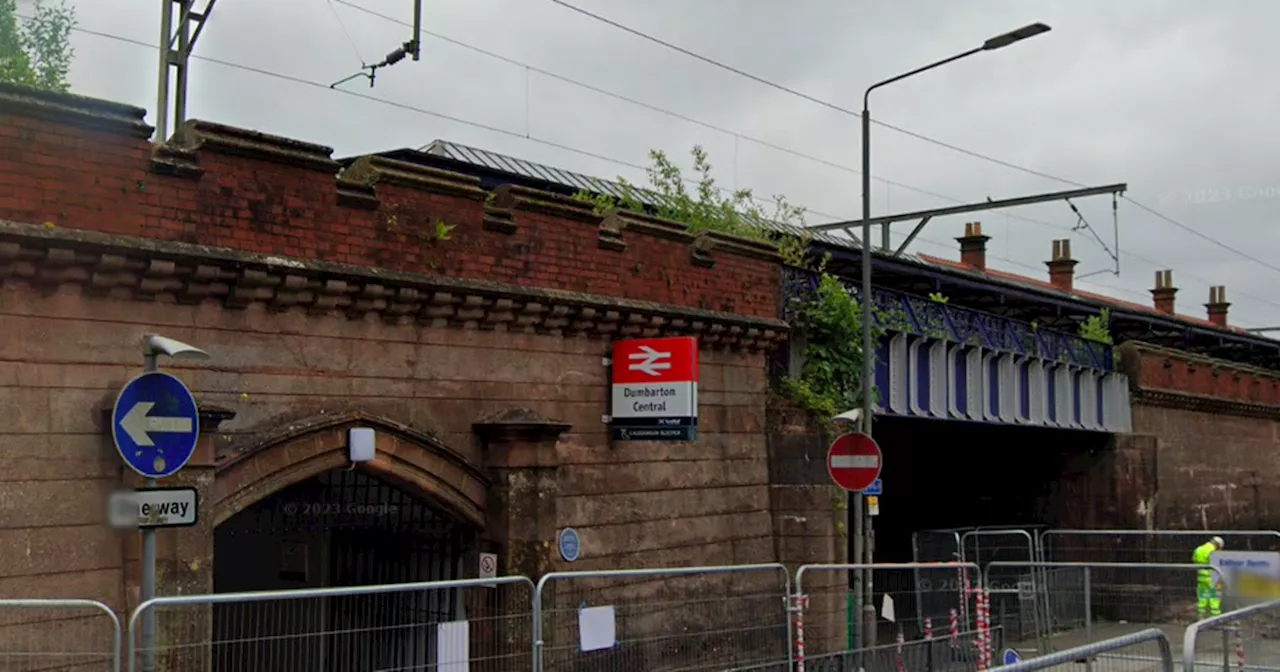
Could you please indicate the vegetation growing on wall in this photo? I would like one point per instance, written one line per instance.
(1098, 328)
(827, 321)
(36, 51)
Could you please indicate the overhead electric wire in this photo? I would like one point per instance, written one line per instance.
(1169, 220)
(343, 26)
(787, 150)
(827, 104)
(495, 129)
(818, 101)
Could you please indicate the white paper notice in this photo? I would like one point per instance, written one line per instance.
(452, 647)
(886, 609)
(597, 628)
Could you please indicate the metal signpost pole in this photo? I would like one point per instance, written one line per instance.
(868, 351)
(853, 463)
(155, 426)
(148, 560)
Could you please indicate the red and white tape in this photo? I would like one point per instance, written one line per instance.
(801, 601)
(954, 628)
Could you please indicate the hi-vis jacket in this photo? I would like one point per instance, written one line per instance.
(1201, 556)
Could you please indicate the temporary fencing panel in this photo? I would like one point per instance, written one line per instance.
(725, 617)
(1162, 546)
(52, 634)
(825, 624)
(940, 653)
(1082, 602)
(982, 546)
(933, 546)
(1240, 640)
(999, 545)
(1144, 651)
(443, 625)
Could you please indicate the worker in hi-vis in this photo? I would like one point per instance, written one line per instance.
(1208, 582)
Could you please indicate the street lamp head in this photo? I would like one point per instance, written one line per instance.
(154, 344)
(1018, 35)
(850, 416)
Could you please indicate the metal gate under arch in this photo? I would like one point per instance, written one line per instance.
(341, 528)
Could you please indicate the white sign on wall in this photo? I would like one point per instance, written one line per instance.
(1252, 575)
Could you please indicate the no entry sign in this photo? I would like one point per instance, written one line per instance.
(854, 461)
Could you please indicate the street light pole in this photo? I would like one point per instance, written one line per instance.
(863, 592)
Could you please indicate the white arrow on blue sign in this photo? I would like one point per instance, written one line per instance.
(876, 488)
(155, 424)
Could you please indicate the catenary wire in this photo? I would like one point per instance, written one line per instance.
(347, 33)
(978, 155)
(496, 129)
(797, 153)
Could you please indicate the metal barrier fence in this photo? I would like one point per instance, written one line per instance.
(727, 617)
(1166, 546)
(942, 653)
(49, 634)
(1244, 639)
(1147, 650)
(480, 624)
(1072, 603)
(824, 618)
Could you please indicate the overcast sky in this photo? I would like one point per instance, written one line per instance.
(1178, 98)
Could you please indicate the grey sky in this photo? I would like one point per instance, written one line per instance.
(1175, 97)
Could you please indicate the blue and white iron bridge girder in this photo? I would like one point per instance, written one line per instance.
(944, 362)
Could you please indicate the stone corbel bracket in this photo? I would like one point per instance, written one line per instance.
(143, 269)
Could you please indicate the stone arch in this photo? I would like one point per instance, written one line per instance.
(412, 459)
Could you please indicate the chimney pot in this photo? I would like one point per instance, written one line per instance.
(973, 246)
(1218, 305)
(1062, 268)
(1164, 293)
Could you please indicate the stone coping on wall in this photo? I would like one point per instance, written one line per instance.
(82, 163)
(1161, 376)
(143, 269)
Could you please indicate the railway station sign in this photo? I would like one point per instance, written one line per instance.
(854, 461)
(655, 389)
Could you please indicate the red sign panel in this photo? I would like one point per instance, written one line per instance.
(655, 360)
(854, 461)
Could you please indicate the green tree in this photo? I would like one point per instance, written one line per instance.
(36, 51)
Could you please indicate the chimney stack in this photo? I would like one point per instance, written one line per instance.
(1062, 269)
(1164, 292)
(973, 246)
(1218, 305)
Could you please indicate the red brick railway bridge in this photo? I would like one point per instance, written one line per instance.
(466, 324)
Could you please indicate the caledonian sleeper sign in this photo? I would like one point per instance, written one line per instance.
(655, 389)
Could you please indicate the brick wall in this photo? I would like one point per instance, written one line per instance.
(1217, 427)
(387, 291)
(88, 164)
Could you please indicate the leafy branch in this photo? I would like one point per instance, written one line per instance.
(38, 51)
(828, 321)
(1098, 328)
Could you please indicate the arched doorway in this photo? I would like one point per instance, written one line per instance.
(314, 523)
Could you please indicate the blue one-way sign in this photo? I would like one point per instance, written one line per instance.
(155, 424)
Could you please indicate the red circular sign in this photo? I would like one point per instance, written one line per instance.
(854, 461)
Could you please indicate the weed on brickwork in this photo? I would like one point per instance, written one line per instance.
(828, 320)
